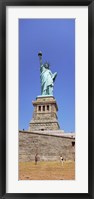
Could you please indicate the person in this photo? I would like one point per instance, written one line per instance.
(36, 158)
(61, 159)
(46, 77)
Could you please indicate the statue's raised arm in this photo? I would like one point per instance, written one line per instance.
(40, 57)
(46, 77)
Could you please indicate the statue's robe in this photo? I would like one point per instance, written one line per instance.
(46, 77)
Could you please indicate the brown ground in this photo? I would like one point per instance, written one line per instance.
(47, 170)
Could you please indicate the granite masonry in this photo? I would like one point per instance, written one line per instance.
(45, 114)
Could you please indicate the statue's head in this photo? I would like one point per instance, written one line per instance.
(47, 65)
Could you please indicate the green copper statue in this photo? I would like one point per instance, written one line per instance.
(46, 77)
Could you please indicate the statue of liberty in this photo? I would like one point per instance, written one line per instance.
(46, 77)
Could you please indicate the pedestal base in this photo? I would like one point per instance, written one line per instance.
(45, 114)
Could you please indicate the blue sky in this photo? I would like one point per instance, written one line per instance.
(56, 39)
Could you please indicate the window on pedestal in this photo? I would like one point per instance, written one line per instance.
(39, 108)
(73, 144)
(47, 107)
(43, 108)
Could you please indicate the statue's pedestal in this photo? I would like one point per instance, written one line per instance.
(45, 114)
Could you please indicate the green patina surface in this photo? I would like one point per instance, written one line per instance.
(47, 77)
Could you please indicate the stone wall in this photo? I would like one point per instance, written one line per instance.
(49, 146)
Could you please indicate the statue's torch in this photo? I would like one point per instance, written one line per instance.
(40, 54)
